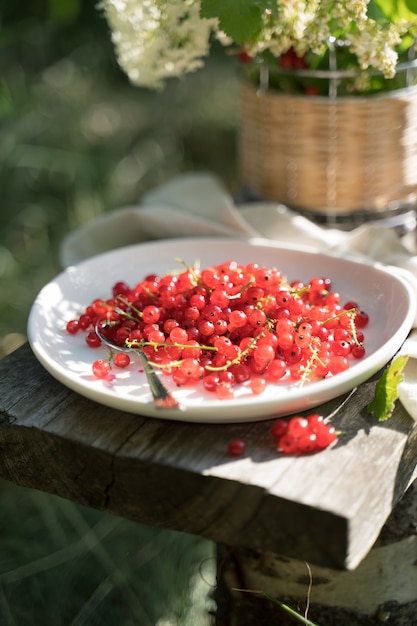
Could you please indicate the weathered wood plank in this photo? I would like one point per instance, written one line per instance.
(327, 509)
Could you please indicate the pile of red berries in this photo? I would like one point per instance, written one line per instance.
(296, 435)
(229, 325)
(303, 435)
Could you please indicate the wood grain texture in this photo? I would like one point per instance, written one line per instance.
(327, 509)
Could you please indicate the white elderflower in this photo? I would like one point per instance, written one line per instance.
(289, 30)
(358, 9)
(375, 47)
(158, 39)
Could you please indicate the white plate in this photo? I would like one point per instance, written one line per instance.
(386, 298)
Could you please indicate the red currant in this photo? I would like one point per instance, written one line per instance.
(72, 327)
(361, 319)
(279, 428)
(288, 444)
(307, 443)
(236, 447)
(325, 436)
(93, 340)
(358, 352)
(258, 384)
(297, 426)
(121, 359)
(101, 368)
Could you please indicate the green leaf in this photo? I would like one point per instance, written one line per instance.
(393, 10)
(240, 19)
(291, 611)
(386, 390)
(411, 5)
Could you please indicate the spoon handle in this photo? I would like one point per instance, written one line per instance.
(161, 396)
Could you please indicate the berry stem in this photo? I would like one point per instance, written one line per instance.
(341, 405)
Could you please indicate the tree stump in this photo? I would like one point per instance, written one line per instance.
(382, 589)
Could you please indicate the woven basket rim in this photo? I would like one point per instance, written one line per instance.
(382, 95)
(339, 73)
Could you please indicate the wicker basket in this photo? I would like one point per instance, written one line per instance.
(329, 155)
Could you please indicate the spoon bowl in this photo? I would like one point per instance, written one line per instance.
(162, 398)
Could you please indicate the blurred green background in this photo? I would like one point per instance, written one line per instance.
(76, 140)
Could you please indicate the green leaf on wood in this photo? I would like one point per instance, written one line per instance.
(386, 390)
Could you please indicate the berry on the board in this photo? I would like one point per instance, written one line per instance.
(236, 447)
(303, 435)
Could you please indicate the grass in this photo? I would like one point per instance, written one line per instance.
(77, 140)
(63, 564)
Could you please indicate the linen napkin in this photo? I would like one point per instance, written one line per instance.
(197, 204)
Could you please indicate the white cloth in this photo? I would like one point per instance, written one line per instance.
(197, 205)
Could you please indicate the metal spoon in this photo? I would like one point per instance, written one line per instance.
(161, 396)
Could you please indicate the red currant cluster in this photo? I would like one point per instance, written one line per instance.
(101, 367)
(296, 435)
(291, 61)
(288, 60)
(227, 325)
(303, 435)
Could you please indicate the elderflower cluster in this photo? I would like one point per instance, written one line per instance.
(290, 30)
(376, 48)
(309, 25)
(157, 39)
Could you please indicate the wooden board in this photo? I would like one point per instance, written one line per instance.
(327, 509)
